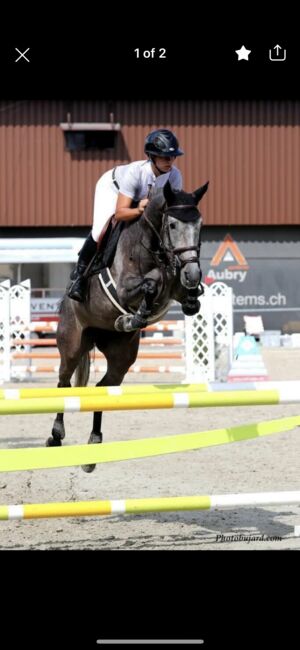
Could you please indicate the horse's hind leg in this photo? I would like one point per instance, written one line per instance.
(71, 350)
(120, 353)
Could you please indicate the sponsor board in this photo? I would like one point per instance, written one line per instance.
(261, 274)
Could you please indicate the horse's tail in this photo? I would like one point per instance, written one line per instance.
(82, 371)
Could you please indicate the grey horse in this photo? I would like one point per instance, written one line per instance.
(157, 260)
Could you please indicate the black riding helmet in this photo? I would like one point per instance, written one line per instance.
(162, 143)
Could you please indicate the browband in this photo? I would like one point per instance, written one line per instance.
(185, 218)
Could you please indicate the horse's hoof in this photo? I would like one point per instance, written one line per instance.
(58, 430)
(119, 324)
(123, 324)
(191, 309)
(53, 442)
(94, 439)
(88, 468)
(130, 323)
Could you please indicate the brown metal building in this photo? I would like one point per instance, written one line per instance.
(250, 152)
(53, 152)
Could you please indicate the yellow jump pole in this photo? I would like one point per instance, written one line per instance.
(148, 401)
(81, 391)
(15, 460)
(144, 506)
(136, 389)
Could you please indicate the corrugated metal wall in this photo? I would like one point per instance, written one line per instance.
(250, 152)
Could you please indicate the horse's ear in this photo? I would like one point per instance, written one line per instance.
(168, 193)
(200, 192)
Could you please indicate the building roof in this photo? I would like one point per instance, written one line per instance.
(40, 250)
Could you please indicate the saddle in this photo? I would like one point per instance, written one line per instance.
(107, 250)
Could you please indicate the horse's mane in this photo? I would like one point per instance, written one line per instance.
(156, 202)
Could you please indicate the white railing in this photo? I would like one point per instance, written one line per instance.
(207, 336)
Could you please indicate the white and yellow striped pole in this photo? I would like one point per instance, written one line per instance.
(168, 400)
(155, 389)
(82, 391)
(144, 506)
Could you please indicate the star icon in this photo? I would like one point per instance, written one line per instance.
(243, 53)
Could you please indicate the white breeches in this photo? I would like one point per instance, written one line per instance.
(106, 196)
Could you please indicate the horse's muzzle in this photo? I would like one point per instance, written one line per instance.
(190, 275)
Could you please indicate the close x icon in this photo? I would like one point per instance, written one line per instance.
(22, 55)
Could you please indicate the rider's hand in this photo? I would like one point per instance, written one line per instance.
(142, 204)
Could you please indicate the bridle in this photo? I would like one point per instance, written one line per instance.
(169, 252)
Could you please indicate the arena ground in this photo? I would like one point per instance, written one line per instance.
(267, 464)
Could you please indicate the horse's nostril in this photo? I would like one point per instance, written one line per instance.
(190, 276)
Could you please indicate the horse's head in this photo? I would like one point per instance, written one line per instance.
(180, 233)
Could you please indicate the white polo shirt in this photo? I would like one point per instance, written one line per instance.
(134, 179)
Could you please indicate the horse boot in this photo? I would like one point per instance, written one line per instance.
(191, 306)
(78, 287)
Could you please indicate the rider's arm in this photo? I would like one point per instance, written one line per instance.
(124, 211)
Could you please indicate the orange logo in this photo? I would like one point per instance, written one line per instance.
(237, 269)
(229, 251)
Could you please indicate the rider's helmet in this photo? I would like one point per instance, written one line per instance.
(162, 143)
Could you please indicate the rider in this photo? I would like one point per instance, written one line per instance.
(123, 186)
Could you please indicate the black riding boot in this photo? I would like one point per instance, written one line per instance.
(78, 288)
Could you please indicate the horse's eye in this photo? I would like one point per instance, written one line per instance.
(172, 225)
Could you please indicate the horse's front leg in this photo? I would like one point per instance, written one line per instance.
(188, 298)
(190, 303)
(148, 289)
